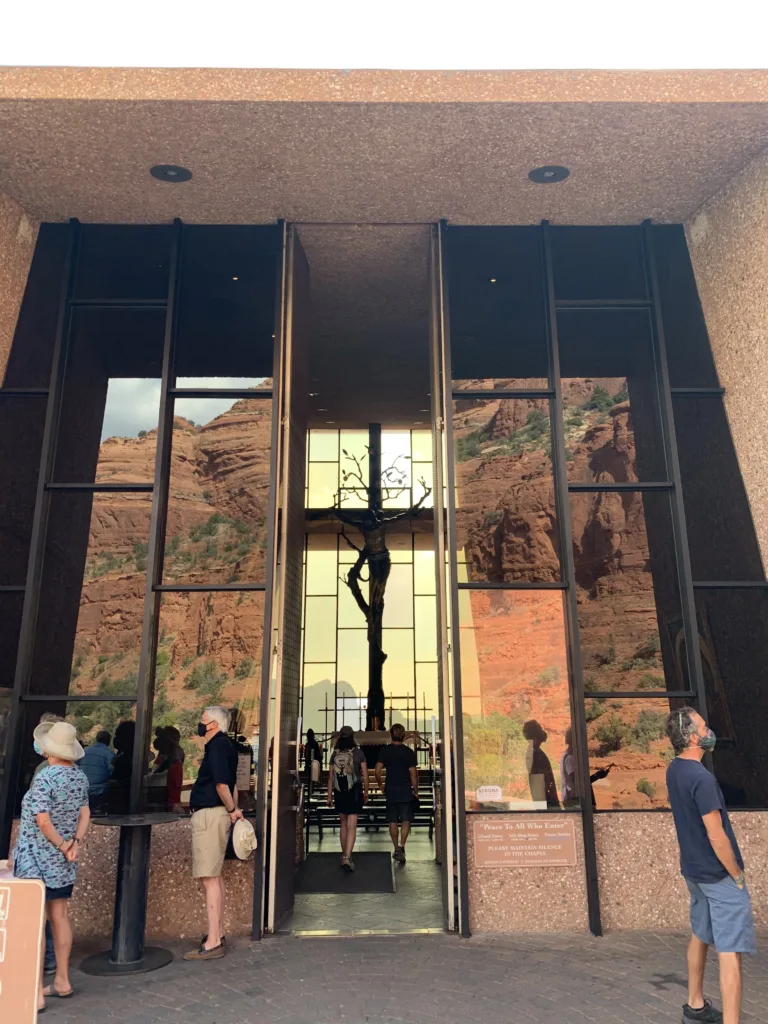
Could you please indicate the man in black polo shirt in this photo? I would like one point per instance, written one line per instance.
(401, 788)
(213, 802)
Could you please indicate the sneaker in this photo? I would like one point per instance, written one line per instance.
(206, 954)
(399, 855)
(707, 1013)
(49, 967)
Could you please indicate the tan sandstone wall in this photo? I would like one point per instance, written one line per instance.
(728, 240)
(18, 233)
(639, 871)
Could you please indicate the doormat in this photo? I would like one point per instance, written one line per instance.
(322, 872)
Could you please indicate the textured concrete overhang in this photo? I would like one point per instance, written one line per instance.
(375, 146)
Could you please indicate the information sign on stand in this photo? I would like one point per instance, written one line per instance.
(22, 914)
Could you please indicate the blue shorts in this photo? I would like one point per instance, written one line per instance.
(721, 915)
(62, 893)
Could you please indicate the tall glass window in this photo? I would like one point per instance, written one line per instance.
(632, 603)
(336, 650)
(97, 580)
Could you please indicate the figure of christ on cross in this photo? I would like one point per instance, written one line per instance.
(372, 523)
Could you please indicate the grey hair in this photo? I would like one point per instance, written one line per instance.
(48, 716)
(680, 727)
(219, 715)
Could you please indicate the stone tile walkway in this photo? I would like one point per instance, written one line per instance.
(620, 979)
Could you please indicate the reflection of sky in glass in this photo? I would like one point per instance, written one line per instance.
(133, 402)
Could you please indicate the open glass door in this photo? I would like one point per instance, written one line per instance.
(280, 717)
(451, 820)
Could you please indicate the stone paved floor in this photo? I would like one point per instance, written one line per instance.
(621, 979)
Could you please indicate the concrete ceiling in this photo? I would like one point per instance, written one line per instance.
(468, 162)
(369, 352)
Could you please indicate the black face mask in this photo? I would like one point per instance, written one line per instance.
(202, 729)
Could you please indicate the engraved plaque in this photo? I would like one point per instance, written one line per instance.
(526, 841)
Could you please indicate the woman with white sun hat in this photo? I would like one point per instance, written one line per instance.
(54, 820)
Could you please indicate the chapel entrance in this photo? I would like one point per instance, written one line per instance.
(368, 636)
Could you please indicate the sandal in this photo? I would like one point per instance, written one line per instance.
(49, 992)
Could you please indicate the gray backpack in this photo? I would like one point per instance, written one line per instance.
(344, 771)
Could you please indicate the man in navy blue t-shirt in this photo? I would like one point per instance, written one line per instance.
(713, 869)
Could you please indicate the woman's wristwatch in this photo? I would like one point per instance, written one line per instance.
(740, 880)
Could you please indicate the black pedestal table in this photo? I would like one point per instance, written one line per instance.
(128, 954)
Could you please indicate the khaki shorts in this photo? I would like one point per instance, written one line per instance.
(210, 834)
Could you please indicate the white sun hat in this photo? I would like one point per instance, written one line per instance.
(59, 739)
(243, 839)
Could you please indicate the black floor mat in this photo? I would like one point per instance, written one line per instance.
(322, 872)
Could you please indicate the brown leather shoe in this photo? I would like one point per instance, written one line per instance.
(206, 954)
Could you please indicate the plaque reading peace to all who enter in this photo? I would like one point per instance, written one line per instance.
(525, 842)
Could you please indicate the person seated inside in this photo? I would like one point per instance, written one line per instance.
(96, 764)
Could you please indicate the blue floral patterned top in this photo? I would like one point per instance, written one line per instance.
(61, 792)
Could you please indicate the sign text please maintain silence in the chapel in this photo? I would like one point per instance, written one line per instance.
(525, 841)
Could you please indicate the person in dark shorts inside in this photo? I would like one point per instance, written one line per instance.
(347, 789)
(401, 788)
(713, 869)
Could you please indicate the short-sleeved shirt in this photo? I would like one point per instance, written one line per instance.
(358, 759)
(219, 766)
(398, 761)
(97, 767)
(61, 792)
(694, 792)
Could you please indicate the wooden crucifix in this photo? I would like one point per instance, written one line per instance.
(372, 522)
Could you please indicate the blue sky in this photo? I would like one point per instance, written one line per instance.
(133, 402)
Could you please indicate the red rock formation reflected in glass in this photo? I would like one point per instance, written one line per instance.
(219, 492)
(505, 503)
(514, 670)
(627, 593)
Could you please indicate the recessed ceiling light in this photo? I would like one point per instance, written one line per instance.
(330, 421)
(235, 278)
(549, 174)
(322, 410)
(417, 423)
(492, 280)
(313, 394)
(423, 410)
(170, 172)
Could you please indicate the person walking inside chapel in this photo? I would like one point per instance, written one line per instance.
(713, 869)
(347, 789)
(401, 788)
(213, 803)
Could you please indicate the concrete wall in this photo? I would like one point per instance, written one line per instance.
(18, 233)
(175, 904)
(639, 870)
(531, 899)
(728, 240)
(641, 888)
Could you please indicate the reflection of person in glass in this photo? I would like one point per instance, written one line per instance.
(120, 783)
(568, 774)
(541, 778)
